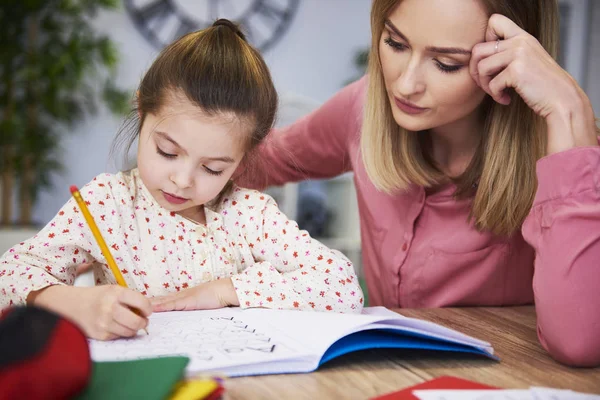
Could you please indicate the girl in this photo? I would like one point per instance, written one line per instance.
(181, 233)
(476, 165)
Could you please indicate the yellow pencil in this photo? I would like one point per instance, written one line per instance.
(100, 240)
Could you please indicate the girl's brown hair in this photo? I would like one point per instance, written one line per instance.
(217, 70)
(514, 137)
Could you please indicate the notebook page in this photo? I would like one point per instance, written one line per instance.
(214, 340)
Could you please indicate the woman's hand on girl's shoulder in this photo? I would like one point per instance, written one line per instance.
(511, 58)
(206, 296)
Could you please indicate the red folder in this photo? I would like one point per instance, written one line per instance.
(443, 382)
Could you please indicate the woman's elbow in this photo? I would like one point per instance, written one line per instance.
(576, 350)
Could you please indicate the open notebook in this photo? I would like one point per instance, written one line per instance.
(238, 342)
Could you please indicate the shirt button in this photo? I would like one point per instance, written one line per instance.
(404, 246)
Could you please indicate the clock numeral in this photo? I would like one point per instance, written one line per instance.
(155, 12)
(270, 12)
(213, 9)
(185, 26)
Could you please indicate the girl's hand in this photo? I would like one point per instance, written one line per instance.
(519, 61)
(103, 312)
(207, 296)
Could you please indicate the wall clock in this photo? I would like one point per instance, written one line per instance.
(162, 21)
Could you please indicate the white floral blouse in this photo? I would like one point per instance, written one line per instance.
(271, 262)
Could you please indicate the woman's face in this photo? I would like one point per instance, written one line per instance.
(425, 52)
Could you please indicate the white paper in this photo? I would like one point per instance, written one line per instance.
(213, 340)
(458, 394)
(534, 393)
(540, 393)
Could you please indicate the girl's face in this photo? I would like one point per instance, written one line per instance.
(424, 52)
(185, 157)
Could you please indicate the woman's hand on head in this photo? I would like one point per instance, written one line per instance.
(518, 61)
(210, 295)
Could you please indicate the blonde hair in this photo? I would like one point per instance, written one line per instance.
(503, 168)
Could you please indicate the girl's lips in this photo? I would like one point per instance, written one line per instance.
(408, 108)
(173, 199)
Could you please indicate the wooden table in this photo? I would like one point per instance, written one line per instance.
(510, 330)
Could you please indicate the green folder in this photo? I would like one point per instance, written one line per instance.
(152, 378)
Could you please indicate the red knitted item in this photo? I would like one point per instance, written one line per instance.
(42, 355)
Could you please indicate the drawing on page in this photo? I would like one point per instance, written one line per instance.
(209, 339)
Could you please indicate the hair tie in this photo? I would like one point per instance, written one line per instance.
(230, 25)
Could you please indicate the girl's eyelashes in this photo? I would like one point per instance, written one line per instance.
(172, 156)
(164, 154)
(397, 46)
(212, 172)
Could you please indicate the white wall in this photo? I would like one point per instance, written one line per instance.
(313, 59)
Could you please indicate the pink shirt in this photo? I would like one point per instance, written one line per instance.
(419, 250)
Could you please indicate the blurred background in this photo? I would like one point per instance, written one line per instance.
(68, 70)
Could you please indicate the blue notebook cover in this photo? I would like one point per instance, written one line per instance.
(393, 339)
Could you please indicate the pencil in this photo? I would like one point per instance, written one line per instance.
(100, 240)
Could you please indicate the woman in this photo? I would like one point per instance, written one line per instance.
(476, 164)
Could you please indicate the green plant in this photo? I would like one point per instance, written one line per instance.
(54, 71)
